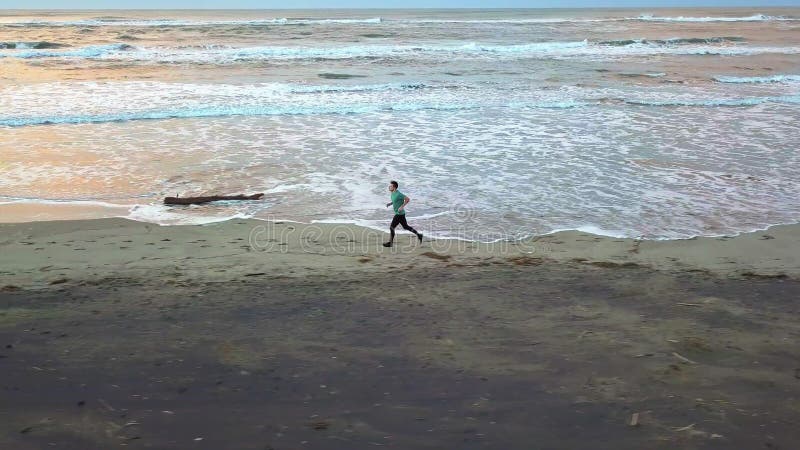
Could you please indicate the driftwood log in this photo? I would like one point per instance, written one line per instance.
(208, 199)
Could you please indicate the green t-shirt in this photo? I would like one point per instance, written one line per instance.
(397, 201)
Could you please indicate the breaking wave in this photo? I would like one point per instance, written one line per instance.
(216, 54)
(673, 41)
(642, 17)
(109, 21)
(753, 18)
(769, 79)
(370, 107)
(122, 22)
(750, 101)
(92, 51)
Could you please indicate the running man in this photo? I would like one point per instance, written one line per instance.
(399, 202)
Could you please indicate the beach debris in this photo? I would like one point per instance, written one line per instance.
(209, 199)
(634, 422)
(105, 404)
(751, 274)
(320, 425)
(683, 359)
(438, 256)
(525, 261)
(797, 373)
(687, 304)
(584, 333)
(614, 265)
(690, 429)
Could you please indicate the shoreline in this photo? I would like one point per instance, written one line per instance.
(208, 220)
(36, 254)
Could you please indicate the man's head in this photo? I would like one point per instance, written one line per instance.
(393, 186)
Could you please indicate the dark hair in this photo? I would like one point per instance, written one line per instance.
(394, 183)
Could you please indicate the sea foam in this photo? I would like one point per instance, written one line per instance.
(92, 51)
(106, 22)
(753, 18)
(371, 107)
(554, 49)
(767, 79)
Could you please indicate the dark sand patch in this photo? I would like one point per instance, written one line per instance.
(749, 274)
(468, 358)
(39, 45)
(377, 35)
(436, 256)
(614, 265)
(339, 76)
(525, 261)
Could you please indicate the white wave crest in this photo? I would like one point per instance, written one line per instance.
(768, 79)
(190, 23)
(233, 55)
(753, 18)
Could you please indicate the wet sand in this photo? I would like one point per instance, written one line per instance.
(287, 336)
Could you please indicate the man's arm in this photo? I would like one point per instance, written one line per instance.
(405, 202)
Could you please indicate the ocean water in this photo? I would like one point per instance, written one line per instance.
(499, 124)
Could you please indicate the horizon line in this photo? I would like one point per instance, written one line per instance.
(417, 8)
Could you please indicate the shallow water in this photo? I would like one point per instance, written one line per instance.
(498, 124)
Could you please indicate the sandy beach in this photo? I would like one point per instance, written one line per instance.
(255, 335)
(283, 323)
(36, 254)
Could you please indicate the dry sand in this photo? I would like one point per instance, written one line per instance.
(38, 253)
(247, 334)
